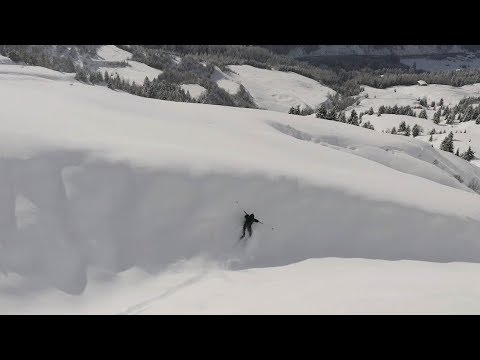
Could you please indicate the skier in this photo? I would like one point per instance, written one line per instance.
(247, 225)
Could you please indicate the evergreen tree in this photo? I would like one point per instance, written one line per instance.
(423, 102)
(430, 138)
(342, 118)
(321, 113)
(447, 143)
(440, 103)
(432, 132)
(106, 77)
(370, 111)
(394, 131)
(81, 75)
(457, 152)
(416, 130)
(436, 117)
(331, 114)
(402, 126)
(469, 155)
(368, 125)
(353, 119)
(450, 119)
(407, 131)
(423, 114)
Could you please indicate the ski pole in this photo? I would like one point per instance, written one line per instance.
(236, 202)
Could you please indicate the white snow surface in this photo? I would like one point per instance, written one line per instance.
(408, 95)
(103, 192)
(113, 53)
(314, 286)
(195, 90)
(135, 71)
(272, 89)
(225, 81)
(5, 60)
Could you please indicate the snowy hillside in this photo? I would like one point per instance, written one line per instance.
(5, 60)
(408, 95)
(194, 90)
(109, 200)
(376, 50)
(134, 71)
(271, 89)
(466, 134)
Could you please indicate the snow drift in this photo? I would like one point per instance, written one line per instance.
(94, 177)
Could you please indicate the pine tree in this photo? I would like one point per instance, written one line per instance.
(353, 119)
(416, 130)
(321, 113)
(430, 138)
(342, 118)
(331, 114)
(436, 117)
(432, 104)
(447, 143)
(370, 111)
(394, 131)
(368, 125)
(457, 153)
(81, 75)
(407, 131)
(402, 126)
(432, 132)
(449, 119)
(440, 103)
(423, 114)
(469, 154)
(106, 77)
(423, 102)
(292, 110)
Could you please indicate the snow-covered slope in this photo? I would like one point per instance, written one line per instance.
(225, 81)
(195, 90)
(315, 286)
(272, 89)
(135, 71)
(97, 184)
(5, 60)
(408, 95)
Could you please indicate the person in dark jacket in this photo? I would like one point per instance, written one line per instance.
(247, 225)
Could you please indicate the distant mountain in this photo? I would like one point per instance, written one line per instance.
(398, 50)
